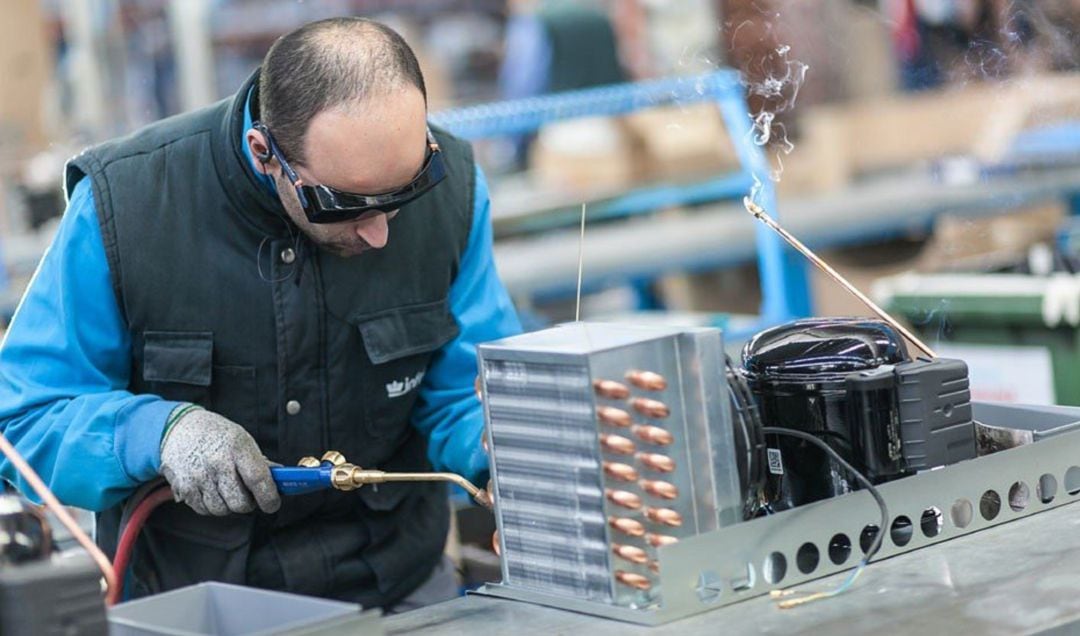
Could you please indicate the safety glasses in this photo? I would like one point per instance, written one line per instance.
(323, 204)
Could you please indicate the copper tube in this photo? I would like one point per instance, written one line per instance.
(661, 489)
(495, 543)
(654, 409)
(666, 516)
(656, 461)
(623, 498)
(654, 566)
(639, 581)
(622, 472)
(630, 553)
(658, 540)
(617, 444)
(613, 416)
(646, 380)
(49, 499)
(631, 527)
(611, 389)
(653, 434)
(761, 215)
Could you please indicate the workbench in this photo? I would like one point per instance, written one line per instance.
(1020, 577)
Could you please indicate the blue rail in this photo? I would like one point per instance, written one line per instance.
(785, 287)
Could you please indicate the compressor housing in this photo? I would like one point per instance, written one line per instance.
(850, 382)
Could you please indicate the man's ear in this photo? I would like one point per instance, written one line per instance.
(260, 149)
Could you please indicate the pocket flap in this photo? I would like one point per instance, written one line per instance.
(178, 356)
(404, 331)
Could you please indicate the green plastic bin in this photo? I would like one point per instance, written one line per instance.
(999, 310)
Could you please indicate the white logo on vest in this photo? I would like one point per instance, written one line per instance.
(398, 389)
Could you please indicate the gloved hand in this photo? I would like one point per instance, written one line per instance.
(215, 466)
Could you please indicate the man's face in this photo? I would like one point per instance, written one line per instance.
(371, 148)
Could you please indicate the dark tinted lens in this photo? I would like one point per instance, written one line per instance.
(327, 205)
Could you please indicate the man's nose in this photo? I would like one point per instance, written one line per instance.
(375, 231)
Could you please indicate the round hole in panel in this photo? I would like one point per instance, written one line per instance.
(962, 512)
(1047, 488)
(807, 558)
(1019, 495)
(932, 521)
(775, 568)
(709, 587)
(990, 505)
(839, 548)
(901, 531)
(744, 584)
(866, 539)
(1072, 480)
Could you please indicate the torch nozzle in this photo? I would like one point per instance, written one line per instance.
(350, 477)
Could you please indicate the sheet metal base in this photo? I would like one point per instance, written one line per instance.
(740, 562)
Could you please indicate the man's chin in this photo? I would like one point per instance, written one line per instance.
(347, 251)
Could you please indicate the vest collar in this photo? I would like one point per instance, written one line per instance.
(250, 198)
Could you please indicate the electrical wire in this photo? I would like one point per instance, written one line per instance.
(875, 545)
(50, 500)
(748, 419)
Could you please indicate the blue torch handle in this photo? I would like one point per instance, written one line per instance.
(298, 480)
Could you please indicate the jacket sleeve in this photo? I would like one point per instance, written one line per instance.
(65, 363)
(448, 411)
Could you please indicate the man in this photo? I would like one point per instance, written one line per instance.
(220, 293)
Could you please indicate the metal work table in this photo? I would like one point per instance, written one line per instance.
(1020, 577)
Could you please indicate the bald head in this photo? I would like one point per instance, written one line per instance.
(332, 64)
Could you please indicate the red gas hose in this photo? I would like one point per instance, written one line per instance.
(128, 536)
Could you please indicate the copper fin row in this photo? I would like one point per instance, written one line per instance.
(646, 380)
(617, 444)
(661, 489)
(653, 434)
(666, 516)
(611, 389)
(631, 553)
(620, 471)
(657, 462)
(613, 417)
(634, 580)
(623, 498)
(631, 527)
(653, 409)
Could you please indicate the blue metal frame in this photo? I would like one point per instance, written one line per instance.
(784, 283)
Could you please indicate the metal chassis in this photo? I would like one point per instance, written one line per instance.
(728, 566)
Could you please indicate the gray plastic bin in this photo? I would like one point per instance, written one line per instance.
(219, 609)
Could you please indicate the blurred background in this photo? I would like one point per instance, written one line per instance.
(929, 149)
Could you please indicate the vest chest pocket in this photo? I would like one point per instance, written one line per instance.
(179, 365)
(400, 344)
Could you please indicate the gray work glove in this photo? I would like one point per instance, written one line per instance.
(215, 466)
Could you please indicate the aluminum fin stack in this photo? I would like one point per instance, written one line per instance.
(608, 441)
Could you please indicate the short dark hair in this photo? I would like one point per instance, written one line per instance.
(326, 64)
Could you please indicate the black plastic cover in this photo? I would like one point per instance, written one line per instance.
(874, 418)
(936, 423)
